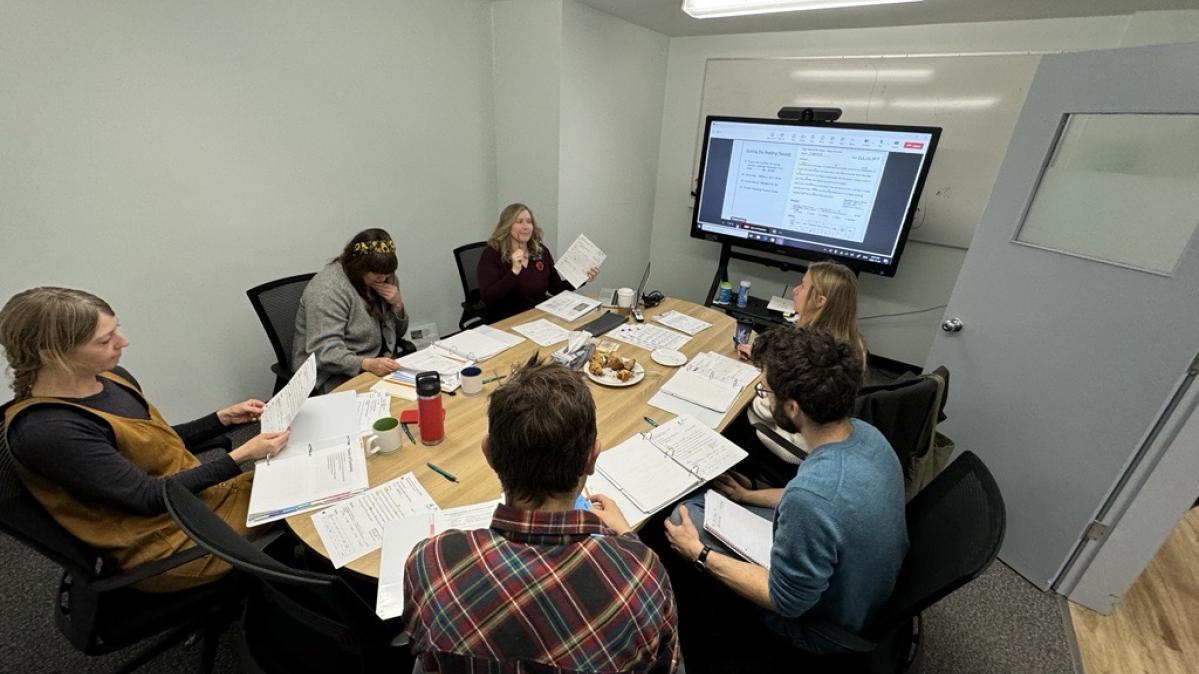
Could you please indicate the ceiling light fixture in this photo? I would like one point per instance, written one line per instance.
(710, 9)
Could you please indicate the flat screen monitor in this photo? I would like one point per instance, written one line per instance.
(812, 190)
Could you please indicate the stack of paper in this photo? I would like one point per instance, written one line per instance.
(478, 344)
(544, 332)
(654, 469)
(353, 528)
(323, 462)
(742, 531)
(568, 306)
(447, 365)
(649, 336)
(706, 388)
(581, 256)
(682, 322)
(402, 535)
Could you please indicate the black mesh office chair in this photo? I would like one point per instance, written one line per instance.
(295, 620)
(467, 259)
(95, 607)
(276, 303)
(955, 528)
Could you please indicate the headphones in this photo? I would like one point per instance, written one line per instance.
(653, 298)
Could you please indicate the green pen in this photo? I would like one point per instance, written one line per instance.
(651, 422)
(442, 472)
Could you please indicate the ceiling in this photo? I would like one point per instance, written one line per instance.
(667, 17)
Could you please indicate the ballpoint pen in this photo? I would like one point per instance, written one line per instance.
(651, 422)
(408, 432)
(442, 472)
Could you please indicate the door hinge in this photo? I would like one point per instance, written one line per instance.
(1095, 531)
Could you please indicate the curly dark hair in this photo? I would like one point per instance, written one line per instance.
(542, 427)
(357, 266)
(818, 371)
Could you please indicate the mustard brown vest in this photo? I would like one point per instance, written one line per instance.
(128, 539)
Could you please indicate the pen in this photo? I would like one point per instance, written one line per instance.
(495, 378)
(407, 432)
(442, 472)
(651, 422)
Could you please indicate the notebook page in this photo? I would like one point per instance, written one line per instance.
(647, 476)
(745, 533)
(701, 450)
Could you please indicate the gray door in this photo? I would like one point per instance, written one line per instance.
(1079, 298)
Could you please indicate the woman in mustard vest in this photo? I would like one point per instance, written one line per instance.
(94, 452)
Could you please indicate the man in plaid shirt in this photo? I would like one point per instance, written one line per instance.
(548, 588)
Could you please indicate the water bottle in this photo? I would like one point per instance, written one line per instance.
(743, 294)
(430, 414)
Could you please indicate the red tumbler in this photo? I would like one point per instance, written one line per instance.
(430, 414)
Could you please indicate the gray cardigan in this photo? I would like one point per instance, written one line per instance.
(333, 322)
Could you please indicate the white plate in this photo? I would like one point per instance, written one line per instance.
(668, 357)
(608, 378)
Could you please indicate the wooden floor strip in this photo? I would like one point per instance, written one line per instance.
(1155, 628)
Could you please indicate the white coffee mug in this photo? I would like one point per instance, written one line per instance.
(472, 380)
(387, 436)
(624, 298)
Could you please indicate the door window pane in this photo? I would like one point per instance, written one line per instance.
(1122, 188)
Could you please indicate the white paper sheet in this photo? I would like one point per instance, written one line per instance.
(581, 256)
(721, 368)
(400, 536)
(477, 344)
(665, 401)
(332, 415)
(445, 364)
(784, 305)
(545, 333)
(682, 322)
(372, 406)
(598, 483)
(704, 453)
(301, 483)
(568, 306)
(283, 407)
(395, 389)
(354, 527)
(649, 336)
(742, 531)
(696, 387)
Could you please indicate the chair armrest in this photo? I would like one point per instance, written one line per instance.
(140, 573)
(843, 638)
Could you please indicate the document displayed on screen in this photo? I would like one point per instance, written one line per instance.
(822, 191)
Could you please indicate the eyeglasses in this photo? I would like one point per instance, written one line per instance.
(761, 391)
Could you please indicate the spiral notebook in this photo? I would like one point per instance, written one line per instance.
(656, 468)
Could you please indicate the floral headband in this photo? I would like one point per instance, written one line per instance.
(377, 246)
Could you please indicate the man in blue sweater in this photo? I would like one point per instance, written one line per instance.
(839, 531)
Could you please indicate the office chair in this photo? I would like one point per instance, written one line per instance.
(955, 528)
(276, 303)
(467, 259)
(95, 607)
(295, 620)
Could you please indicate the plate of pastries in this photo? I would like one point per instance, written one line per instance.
(610, 369)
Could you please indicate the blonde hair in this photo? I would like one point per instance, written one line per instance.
(41, 326)
(503, 228)
(839, 313)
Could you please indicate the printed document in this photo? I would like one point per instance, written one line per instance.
(354, 528)
(372, 406)
(700, 389)
(717, 367)
(782, 305)
(682, 322)
(649, 336)
(544, 332)
(654, 469)
(664, 401)
(581, 256)
(402, 535)
(285, 405)
(431, 359)
(477, 344)
(741, 530)
(395, 389)
(569, 306)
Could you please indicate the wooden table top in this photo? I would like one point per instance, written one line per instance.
(619, 414)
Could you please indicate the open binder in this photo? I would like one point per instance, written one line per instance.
(655, 469)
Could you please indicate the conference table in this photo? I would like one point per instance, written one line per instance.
(620, 412)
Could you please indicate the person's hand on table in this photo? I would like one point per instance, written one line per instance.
(241, 413)
(379, 366)
(609, 513)
(733, 485)
(390, 293)
(261, 446)
(684, 537)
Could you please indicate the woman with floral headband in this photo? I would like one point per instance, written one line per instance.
(516, 270)
(352, 315)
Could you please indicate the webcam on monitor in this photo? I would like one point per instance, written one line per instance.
(810, 114)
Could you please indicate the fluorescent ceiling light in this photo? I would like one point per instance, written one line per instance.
(708, 9)
(864, 75)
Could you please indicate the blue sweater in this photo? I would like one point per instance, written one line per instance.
(839, 532)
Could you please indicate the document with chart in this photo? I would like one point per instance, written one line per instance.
(569, 306)
(654, 469)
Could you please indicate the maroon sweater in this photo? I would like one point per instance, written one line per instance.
(507, 294)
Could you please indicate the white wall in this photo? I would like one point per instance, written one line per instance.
(613, 74)
(168, 156)
(527, 49)
(683, 266)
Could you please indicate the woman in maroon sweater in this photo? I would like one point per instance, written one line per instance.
(516, 270)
